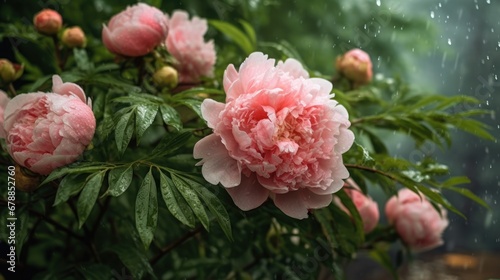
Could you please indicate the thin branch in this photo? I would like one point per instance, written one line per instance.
(373, 170)
(103, 209)
(174, 244)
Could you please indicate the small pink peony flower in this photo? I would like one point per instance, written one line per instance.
(356, 66)
(367, 208)
(48, 130)
(279, 135)
(195, 57)
(48, 22)
(417, 222)
(4, 99)
(135, 31)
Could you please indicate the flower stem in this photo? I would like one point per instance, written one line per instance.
(174, 244)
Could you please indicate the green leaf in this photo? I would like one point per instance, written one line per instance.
(119, 179)
(213, 203)
(249, 31)
(382, 257)
(76, 168)
(171, 142)
(95, 271)
(192, 199)
(123, 131)
(194, 104)
(22, 233)
(82, 60)
(170, 116)
(175, 204)
(467, 193)
(144, 116)
(235, 34)
(69, 186)
(358, 222)
(88, 196)
(455, 181)
(146, 209)
(135, 260)
(438, 198)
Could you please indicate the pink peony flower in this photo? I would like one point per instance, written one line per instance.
(4, 99)
(48, 22)
(279, 135)
(48, 130)
(135, 31)
(367, 208)
(356, 66)
(417, 222)
(195, 57)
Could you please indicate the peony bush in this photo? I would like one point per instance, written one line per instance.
(175, 146)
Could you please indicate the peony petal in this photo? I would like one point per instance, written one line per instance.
(293, 67)
(67, 88)
(297, 203)
(230, 76)
(218, 166)
(210, 110)
(16, 105)
(249, 194)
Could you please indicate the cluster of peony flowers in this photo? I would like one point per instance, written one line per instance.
(279, 135)
(366, 206)
(356, 66)
(417, 222)
(141, 28)
(44, 131)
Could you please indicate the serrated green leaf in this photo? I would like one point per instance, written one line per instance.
(123, 131)
(88, 196)
(146, 209)
(134, 259)
(170, 116)
(235, 34)
(144, 116)
(175, 204)
(119, 179)
(215, 206)
(69, 186)
(192, 199)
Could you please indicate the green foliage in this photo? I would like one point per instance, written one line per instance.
(101, 217)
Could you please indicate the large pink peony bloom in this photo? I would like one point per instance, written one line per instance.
(135, 31)
(279, 135)
(366, 206)
(49, 130)
(195, 57)
(4, 99)
(417, 222)
(356, 65)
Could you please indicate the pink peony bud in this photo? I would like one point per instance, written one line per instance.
(356, 66)
(45, 131)
(4, 99)
(417, 222)
(74, 37)
(367, 208)
(195, 57)
(48, 22)
(135, 31)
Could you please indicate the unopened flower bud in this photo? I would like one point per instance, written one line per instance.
(356, 66)
(9, 71)
(166, 76)
(26, 181)
(74, 37)
(48, 22)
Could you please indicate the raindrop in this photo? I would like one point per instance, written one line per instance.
(378, 3)
(439, 5)
(487, 1)
(432, 16)
(449, 41)
(477, 7)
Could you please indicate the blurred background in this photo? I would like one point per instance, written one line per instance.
(444, 47)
